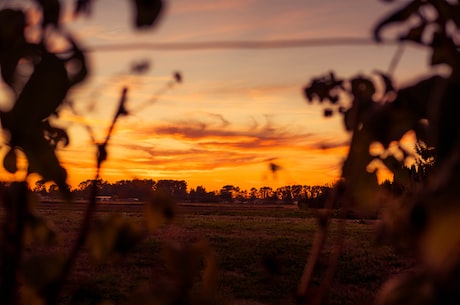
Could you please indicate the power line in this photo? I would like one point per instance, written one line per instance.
(237, 44)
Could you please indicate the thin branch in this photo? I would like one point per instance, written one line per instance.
(396, 59)
(90, 209)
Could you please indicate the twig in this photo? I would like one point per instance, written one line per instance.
(54, 289)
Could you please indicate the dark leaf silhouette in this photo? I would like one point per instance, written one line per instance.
(415, 34)
(401, 15)
(51, 12)
(112, 238)
(159, 210)
(147, 12)
(82, 7)
(178, 77)
(328, 112)
(12, 42)
(387, 82)
(10, 161)
(55, 135)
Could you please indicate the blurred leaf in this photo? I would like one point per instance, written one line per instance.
(210, 273)
(159, 210)
(186, 265)
(147, 12)
(324, 88)
(415, 34)
(328, 112)
(10, 161)
(101, 153)
(55, 135)
(37, 230)
(439, 248)
(444, 51)
(362, 88)
(140, 67)
(409, 289)
(274, 167)
(40, 271)
(178, 77)
(400, 15)
(42, 94)
(12, 40)
(29, 296)
(387, 81)
(51, 12)
(112, 238)
(82, 7)
(43, 160)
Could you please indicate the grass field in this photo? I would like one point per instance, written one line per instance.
(261, 253)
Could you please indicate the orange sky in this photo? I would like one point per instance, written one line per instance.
(237, 109)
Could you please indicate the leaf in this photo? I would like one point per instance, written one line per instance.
(82, 7)
(37, 230)
(439, 244)
(43, 160)
(12, 40)
(444, 51)
(112, 238)
(159, 210)
(140, 67)
(101, 153)
(178, 77)
(10, 161)
(388, 82)
(40, 271)
(415, 34)
(55, 135)
(328, 112)
(51, 12)
(399, 16)
(407, 289)
(43, 93)
(12, 25)
(147, 12)
(362, 88)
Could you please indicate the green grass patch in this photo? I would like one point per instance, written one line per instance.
(261, 254)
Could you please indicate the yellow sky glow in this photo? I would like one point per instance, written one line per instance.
(237, 110)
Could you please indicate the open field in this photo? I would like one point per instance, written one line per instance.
(261, 253)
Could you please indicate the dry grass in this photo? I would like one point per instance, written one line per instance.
(261, 254)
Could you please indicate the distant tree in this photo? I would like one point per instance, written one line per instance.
(226, 192)
(40, 187)
(253, 193)
(284, 193)
(176, 189)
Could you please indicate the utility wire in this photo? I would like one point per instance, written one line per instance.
(238, 44)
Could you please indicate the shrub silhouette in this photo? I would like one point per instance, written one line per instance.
(419, 222)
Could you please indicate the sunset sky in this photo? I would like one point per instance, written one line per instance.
(237, 109)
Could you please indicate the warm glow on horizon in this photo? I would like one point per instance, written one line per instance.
(236, 111)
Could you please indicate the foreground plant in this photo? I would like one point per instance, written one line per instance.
(421, 221)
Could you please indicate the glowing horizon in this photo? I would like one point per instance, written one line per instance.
(236, 110)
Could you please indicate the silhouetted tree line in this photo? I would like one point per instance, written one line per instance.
(141, 189)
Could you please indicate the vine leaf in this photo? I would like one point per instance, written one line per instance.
(401, 15)
(147, 12)
(41, 270)
(37, 230)
(187, 263)
(159, 210)
(82, 7)
(112, 238)
(12, 41)
(415, 34)
(51, 12)
(10, 161)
